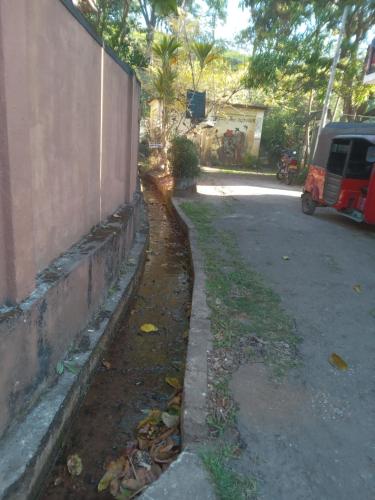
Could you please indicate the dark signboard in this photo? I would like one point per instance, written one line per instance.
(195, 105)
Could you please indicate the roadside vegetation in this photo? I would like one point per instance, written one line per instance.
(281, 60)
(248, 324)
(229, 484)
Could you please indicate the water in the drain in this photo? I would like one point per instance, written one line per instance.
(132, 378)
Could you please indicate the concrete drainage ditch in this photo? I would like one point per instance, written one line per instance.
(139, 373)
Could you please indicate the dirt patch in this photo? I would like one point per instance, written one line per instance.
(265, 400)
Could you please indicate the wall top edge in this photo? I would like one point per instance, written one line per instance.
(91, 31)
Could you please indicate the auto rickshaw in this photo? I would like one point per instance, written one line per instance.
(342, 173)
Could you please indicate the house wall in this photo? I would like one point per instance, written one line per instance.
(69, 121)
(70, 131)
(244, 123)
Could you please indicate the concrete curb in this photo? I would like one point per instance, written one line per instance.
(194, 426)
(185, 479)
(28, 451)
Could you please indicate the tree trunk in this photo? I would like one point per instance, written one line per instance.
(149, 42)
(306, 141)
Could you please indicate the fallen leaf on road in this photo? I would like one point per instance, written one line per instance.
(285, 257)
(106, 364)
(357, 288)
(173, 382)
(74, 464)
(338, 362)
(149, 328)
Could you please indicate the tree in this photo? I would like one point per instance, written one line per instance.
(153, 11)
(163, 81)
(361, 18)
(110, 19)
(292, 53)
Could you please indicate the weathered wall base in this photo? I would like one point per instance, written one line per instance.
(78, 300)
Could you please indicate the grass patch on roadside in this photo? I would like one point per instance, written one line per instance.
(237, 171)
(224, 415)
(242, 306)
(247, 322)
(229, 485)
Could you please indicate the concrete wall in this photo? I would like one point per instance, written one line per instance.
(69, 129)
(69, 121)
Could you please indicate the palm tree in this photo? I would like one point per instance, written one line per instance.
(165, 51)
(152, 11)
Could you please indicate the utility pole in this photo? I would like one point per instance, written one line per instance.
(323, 118)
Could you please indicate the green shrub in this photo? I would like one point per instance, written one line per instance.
(250, 161)
(183, 157)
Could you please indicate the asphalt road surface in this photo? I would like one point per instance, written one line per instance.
(313, 435)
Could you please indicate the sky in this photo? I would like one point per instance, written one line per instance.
(237, 20)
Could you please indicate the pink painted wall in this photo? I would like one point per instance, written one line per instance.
(71, 152)
(3, 271)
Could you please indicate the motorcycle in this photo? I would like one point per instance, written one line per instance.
(287, 167)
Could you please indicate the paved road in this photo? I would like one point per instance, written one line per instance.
(313, 436)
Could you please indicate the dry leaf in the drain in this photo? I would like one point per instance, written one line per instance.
(175, 401)
(114, 470)
(170, 420)
(74, 464)
(106, 364)
(58, 481)
(153, 418)
(141, 459)
(338, 362)
(114, 487)
(173, 382)
(149, 328)
(132, 484)
(163, 451)
(143, 443)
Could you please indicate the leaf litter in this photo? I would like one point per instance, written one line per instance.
(157, 443)
(74, 465)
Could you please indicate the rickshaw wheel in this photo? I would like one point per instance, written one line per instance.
(308, 204)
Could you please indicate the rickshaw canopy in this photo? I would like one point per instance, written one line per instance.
(339, 130)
